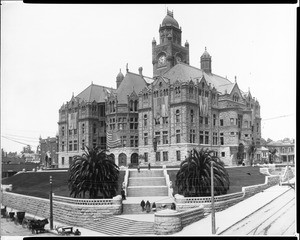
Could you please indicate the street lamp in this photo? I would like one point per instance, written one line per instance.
(213, 220)
(51, 205)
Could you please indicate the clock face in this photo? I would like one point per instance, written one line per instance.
(162, 60)
(178, 59)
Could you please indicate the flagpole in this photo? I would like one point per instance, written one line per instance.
(213, 220)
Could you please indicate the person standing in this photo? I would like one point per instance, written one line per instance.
(149, 166)
(138, 167)
(148, 206)
(153, 207)
(143, 205)
(123, 194)
(173, 206)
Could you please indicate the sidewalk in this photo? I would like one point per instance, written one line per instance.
(10, 231)
(231, 215)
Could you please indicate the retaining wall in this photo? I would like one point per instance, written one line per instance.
(224, 201)
(170, 221)
(79, 212)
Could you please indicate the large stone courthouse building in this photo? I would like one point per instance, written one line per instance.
(158, 120)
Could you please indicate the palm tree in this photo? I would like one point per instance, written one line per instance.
(94, 172)
(251, 151)
(194, 178)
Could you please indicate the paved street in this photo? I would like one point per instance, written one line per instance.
(16, 231)
(276, 218)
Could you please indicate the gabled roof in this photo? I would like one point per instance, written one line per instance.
(94, 93)
(131, 82)
(185, 72)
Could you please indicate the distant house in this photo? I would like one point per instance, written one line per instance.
(48, 152)
(9, 170)
(285, 150)
(262, 155)
(31, 157)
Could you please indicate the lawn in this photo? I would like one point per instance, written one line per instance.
(239, 177)
(37, 183)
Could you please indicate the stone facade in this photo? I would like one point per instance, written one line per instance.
(159, 120)
(48, 151)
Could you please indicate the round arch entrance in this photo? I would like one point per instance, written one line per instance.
(134, 159)
(122, 159)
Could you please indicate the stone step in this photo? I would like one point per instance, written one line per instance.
(121, 226)
(146, 181)
(146, 173)
(135, 208)
(147, 191)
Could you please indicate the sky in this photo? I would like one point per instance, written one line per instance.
(49, 52)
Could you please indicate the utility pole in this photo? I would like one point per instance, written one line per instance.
(51, 205)
(288, 174)
(213, 220)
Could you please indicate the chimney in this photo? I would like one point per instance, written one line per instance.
(141, 71)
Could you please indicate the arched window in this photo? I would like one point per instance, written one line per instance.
(113, 106)
(131, 105)
(214, 119)
(145, 120)
(282, 150)
(63, 131)
(135, 105)
(192, 116)
(177, 116)
(94, 128)
(235, 97)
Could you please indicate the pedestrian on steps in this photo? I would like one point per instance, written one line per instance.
(123, 194)
(148, 206)
(138, 167)
(153, 207)
(149, 166)
(143, 205)
(173, 206)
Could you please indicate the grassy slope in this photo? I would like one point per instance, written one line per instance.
(238, 176)
(37, 184)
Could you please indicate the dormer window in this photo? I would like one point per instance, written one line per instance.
(235, 97)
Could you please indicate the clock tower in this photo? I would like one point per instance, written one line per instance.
(169, 51)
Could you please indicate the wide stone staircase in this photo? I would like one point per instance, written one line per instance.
(122, 226)
(145, 185)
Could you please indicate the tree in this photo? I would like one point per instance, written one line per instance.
(193, 178)
(94, 172)
(240, 153)
(251, 151)
(272, 155)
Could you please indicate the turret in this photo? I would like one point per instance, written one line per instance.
(119, 78)
(206, 62)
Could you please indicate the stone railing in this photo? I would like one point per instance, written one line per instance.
(64, 210)
(82, 201)
(6, 187)
(168, 182)
(224, 201)
(125, 183)
(264, 170)
(171, 221)
(287, 174)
